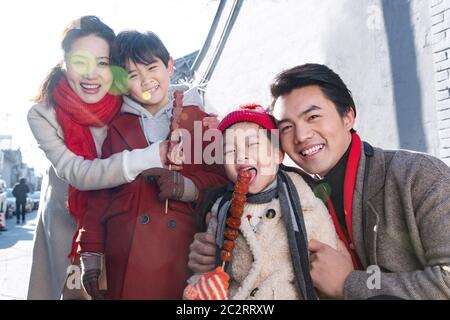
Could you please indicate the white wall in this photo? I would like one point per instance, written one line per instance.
(385, 57)
(440, 20)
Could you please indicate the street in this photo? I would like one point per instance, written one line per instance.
(16, 247)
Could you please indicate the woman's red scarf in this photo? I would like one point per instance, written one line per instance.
(75, 118)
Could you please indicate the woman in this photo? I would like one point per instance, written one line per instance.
(69, 123)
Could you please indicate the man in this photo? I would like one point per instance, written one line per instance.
(390, 208)
(20, 191)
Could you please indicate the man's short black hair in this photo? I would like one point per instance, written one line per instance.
(142, 48)
(304, 75)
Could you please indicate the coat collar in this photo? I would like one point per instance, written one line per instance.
(364, 226)
(134, 139)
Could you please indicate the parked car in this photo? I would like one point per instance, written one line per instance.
(3, 201)
(29, 205)
(3, 204)
(35, 196)
(11, 204)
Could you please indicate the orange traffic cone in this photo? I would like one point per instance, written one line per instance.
(2, 222)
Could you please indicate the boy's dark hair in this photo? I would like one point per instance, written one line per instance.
(142, 48)
(304, 75)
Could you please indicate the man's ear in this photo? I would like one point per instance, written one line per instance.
(170, 66)
(349, 119)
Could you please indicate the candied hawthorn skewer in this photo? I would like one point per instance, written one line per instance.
(174, 125)
(214, 285)
(238, 199)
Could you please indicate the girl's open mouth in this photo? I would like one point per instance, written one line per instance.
(253, 171)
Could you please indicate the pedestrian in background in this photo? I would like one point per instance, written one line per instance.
(20, 192)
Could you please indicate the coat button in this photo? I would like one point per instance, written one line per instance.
(151, 179)
(172, 224)
(144, 219)
(270, 214)
(254, 291)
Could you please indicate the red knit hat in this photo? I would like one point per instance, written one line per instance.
(248, 113)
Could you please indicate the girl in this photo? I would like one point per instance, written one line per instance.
(262, 220)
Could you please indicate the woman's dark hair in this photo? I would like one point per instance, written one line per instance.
(329, 82)
(142, 48)
(79, 28)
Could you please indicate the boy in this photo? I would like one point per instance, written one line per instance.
(145, 240)
(269, 259)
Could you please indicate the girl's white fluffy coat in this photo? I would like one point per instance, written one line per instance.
(261, 266)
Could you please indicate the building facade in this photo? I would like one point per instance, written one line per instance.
(393, 55)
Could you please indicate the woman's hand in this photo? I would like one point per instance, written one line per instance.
(211, 121)
(163, 150)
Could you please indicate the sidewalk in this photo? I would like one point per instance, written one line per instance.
(16, 247)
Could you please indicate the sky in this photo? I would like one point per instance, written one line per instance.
(30, 32)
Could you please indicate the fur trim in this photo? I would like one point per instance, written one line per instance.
(318, 222)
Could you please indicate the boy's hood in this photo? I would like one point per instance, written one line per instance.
(191, 98)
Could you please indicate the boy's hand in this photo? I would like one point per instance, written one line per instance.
(163, 150)
(202, 256)
(170, 183)
(211, 121)
(90, 279)
(91, 270)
